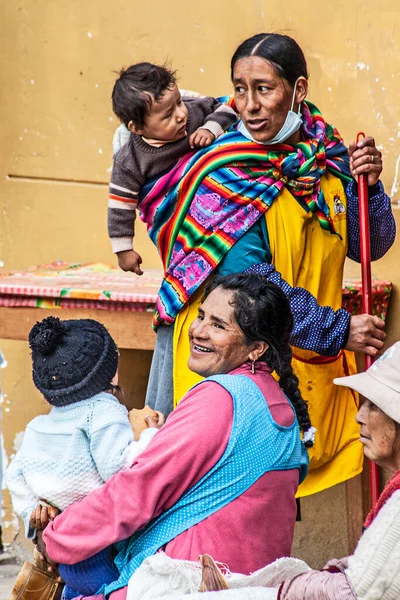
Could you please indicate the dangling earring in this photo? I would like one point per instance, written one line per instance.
(253, 369)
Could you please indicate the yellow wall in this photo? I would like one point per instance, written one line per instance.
(56, 122)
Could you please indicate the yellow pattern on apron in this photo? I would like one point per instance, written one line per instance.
(309, 257)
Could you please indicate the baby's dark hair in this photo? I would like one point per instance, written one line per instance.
(263, 313)
(137, 87)
(115, 390)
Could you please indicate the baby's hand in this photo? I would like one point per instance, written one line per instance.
(201, 138)
(156, 421)
(138, 419)
(42, 515)
(129, 260)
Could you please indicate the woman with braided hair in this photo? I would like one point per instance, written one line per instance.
(305, 223)
(276, 194)
(260, 318)
(221, 476)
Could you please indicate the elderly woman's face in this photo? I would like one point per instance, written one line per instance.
(262, 97)
(217, 344)
(379, 436)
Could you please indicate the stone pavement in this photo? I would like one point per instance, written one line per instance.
(10, 564)
(8, 573)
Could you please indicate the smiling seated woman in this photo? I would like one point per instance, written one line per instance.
(221, 476)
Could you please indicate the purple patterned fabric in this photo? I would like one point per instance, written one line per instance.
(381, 222)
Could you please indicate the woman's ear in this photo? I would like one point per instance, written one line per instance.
(301, 90)
(133, 129)
(259, 349)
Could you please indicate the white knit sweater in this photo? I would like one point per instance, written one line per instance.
(70, 452)
(374, 568)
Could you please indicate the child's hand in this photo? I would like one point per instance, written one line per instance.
(143, 418)
(137, 419)
(129, 260)
(201, 138)
(42, 515)
(155, 421)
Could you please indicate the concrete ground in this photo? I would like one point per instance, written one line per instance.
(8, 574)
(10, 564)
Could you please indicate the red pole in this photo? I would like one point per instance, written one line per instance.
(365, 256)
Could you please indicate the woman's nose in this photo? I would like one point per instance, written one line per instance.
(360, 416)
(252, 104)
(199, 329)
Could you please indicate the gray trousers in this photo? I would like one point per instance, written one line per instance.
(160, 390)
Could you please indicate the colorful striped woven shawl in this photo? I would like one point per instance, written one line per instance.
(198, 210)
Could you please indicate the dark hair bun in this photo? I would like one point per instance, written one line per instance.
(46, 335)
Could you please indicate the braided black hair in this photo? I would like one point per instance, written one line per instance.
(263, 313)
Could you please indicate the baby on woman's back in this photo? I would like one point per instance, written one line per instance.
(164, 127)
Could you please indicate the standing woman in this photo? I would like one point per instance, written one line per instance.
(301, 240)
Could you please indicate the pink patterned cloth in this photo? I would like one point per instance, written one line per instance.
(317, 585)
(247, 534)
(327, 584)
(95, 285)
(102, 286)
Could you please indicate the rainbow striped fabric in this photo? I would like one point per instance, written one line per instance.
(198, 210)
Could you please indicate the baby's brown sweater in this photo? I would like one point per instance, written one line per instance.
(137, 162)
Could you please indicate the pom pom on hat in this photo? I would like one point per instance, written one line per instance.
(46, 335)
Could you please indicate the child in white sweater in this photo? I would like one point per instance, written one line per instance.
(84, 440)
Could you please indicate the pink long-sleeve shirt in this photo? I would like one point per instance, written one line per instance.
(253, 530)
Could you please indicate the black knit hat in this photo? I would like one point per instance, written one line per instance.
(71, 360)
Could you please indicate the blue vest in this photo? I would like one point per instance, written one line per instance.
(256, 445)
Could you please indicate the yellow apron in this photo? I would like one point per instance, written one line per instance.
(309, 257)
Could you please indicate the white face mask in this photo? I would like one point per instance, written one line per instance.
(292, 123)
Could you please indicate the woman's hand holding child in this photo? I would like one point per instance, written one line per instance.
(39, 519)
(42, 515)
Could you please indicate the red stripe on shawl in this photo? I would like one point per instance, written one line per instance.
(224, 192)
(177, 285)
(203, 251)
